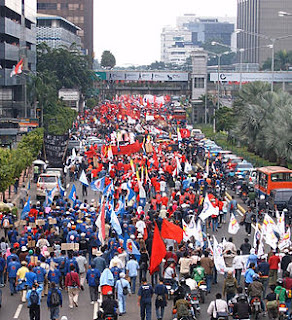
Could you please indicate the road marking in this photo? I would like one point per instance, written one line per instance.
(95, 310)
(17, 312)
(68, 185)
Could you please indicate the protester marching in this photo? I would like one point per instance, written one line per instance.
(150, 230)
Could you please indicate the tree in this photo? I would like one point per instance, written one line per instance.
(224, 119)
(283, 60)
(108, 60)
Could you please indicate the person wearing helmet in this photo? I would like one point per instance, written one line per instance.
(182, 290)
(280, 291)
(255, 289)
(241, 309)
(109, 305)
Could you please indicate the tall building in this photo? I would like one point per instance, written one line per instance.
(56, 31)
(190, 33)
(79, 12)
(261, 17)
(17, 41)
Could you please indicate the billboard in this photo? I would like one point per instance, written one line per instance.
(251, 76)
(167, 76)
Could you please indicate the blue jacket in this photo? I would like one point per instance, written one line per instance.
(39, 292)
(2, 264)
(91, 276)
(248, 275)
(40, 273)
(12, 268)
(49, 297)
(54, 276)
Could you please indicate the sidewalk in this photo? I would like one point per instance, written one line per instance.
(23, 180)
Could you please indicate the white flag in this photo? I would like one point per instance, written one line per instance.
(200, 233)
(188, 167)
(110, 155)
(233, 226)
(280, 223)
(218, 257)
(83, 178)
(208, 209)
(271, 239)
(186, 236)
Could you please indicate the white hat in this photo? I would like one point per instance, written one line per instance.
(64, 318)
(140, 236)
(23, 248)
(122, 275)
(252, 251)
(132, 236)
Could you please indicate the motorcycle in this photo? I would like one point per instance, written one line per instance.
(109, 317)
(256, 307)
(188, 317)
(202, 286)
(170, 286)
(193, 299)
(283, 311)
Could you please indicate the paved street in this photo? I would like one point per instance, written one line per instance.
(12, 308)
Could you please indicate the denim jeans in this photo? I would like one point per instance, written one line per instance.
(133, 284)
(12, 285)
(142, 274)
(209, 279)
(1, 277)
(159, 312)
(238, 275)
(145, 307)
(122, 303)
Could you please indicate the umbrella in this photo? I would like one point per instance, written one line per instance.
(38, 161)
(4, 206)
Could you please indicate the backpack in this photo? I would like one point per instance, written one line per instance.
(6, 223)
(55, 298)
(125, 289)
(34, 298)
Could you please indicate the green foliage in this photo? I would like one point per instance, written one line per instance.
(224, 119)
(283, 60)
(58, 118)
(226, 59)
(13, 162)
(91, 103)
(108, 60)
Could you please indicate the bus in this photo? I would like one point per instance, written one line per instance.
(272, 177)
(179, 114)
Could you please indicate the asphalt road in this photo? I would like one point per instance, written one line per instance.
(12, 308)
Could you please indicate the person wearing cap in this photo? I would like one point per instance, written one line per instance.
(12, 268)
(92, 277)
(252, 258)
(132, 268)
(20, 280)
(122, 285)
(34, 309)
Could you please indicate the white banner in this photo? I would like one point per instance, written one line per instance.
(251, 76)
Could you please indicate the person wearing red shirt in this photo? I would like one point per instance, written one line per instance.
(158, 199)
(164, 200)
(72, 283)
(273, 273)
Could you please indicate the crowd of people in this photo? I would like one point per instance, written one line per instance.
(117, 245)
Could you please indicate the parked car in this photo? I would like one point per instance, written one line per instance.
(242, 168)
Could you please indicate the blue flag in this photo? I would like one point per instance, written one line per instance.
(121, 206)
(98, 185)
(115, 223)
(25, 209)
(72, 195)
(109, 190)
(62, 190)
(131, 194)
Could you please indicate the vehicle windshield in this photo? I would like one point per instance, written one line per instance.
(47, 179)
(244, 165)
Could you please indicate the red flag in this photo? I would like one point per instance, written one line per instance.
(158, 251)
(171, 231)
(145, 235)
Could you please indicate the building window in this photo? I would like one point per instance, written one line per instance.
(73, 6)
(64, 6)
(47, 6)
(199, 83)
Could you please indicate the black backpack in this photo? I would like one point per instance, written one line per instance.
(55, 298)
(34, 298)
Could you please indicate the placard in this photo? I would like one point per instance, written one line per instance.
(52, 221)
(32, 225)
(31, 243)
(81, 215)
(34, 260)
(16, 224)
(23, 222)
(70, 246)
(40, 222)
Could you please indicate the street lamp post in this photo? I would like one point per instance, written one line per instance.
(284, 14)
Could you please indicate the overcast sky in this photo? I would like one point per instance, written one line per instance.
(131, 29)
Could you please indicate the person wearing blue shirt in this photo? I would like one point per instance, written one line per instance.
(54, 276)
(161, 299)
(2, 269)
(132, 268)
(12, 268)
(34, 310)
(30, 277)
(120, 285)
(252, 258)
(40, 273)
(54, 307)
(71, 261)
(145, 293)
(92, 277)
(116, 271)
(249, 274)
(13, 255)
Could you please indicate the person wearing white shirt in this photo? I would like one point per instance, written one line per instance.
(140, 226)
(116, 261)
(238, 265)
(218, 305)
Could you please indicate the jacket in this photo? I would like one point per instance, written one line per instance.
(49, 297)
(230, 285)
(70, 278)
(255, 289)
(208, 265)
(242, 310)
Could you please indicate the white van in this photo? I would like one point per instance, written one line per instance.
(47, 181)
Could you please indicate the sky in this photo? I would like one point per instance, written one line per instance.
(131, 29)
